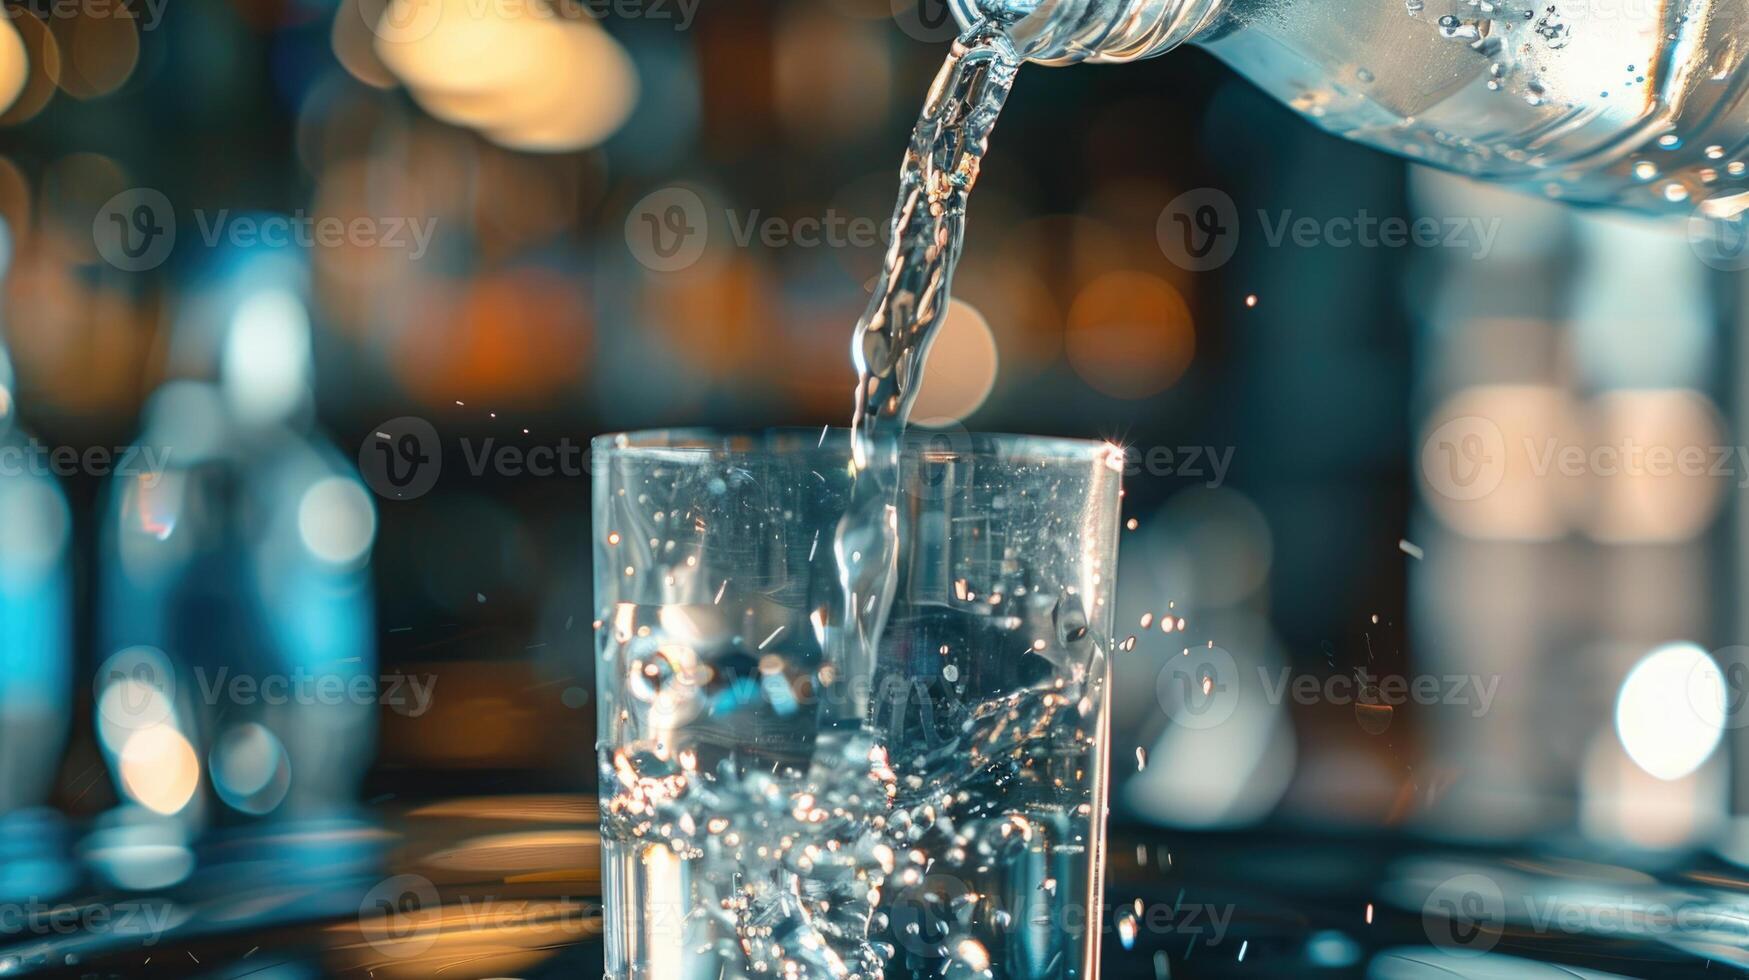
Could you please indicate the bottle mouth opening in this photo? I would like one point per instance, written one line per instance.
(1038, 28)
(1063, 32)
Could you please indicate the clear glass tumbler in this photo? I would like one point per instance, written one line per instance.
(768, 812)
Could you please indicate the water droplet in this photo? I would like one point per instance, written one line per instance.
(1374, 718)
(1645, 170)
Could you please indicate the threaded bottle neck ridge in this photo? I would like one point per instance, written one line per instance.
(1061, 32)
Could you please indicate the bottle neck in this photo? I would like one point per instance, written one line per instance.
(1063, 32)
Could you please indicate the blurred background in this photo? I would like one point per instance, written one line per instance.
(249, 246)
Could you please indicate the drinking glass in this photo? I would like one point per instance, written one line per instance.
(775, 803)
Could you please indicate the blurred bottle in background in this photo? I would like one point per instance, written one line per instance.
(36, 655)
(1636, 105)
(236, 603)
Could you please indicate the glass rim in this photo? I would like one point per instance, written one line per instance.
(703, 442)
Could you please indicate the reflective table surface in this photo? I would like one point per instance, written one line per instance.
(510, 886)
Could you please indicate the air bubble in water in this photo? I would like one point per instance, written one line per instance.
(647, 678)
(1071, 621)
(1457, 29)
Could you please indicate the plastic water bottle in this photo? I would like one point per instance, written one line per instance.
(1637, 104)
(36, 658)
(236, 599)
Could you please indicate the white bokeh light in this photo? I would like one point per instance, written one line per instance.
(1660, 726)
(336, 520)
(267, 356)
